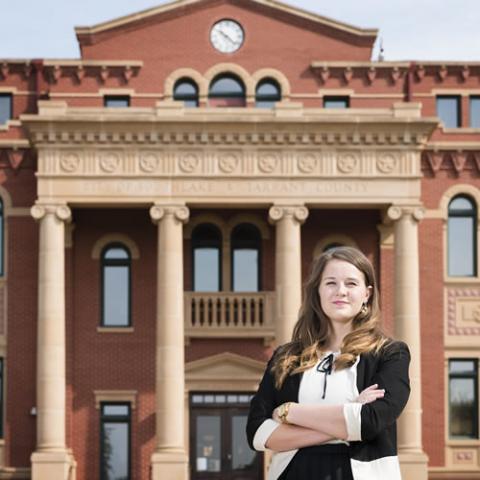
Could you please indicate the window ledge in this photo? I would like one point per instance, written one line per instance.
(115, 330)
(115, 396)
(461, 130)
(463, 442)
(461, 280)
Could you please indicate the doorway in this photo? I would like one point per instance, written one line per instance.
(218, 444)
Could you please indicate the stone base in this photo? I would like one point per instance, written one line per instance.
(414, 466)
(52, 465)
(171, 465)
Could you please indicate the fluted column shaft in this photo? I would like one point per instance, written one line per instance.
(51, 379)
(288, 267)
(170, 362)
(407, 318)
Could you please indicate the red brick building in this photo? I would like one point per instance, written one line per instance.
(162, 199)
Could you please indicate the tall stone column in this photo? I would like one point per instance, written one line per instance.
(288, 267)
(51, 459)
(170, 459)
(414, 461)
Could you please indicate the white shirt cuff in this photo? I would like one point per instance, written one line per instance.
(263, 434)
(353, 421)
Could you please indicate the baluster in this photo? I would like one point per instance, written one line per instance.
(214, 312)
(223, 312)
(248, 312)
(257, 310)
(231, 316)
(196, 302)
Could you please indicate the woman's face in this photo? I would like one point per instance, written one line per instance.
(342, 291)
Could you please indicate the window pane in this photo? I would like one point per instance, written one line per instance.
(461, 204)
(448, 111)
(116, 102)
(475, 112)
(115, 410)
(227, 86)
(208, 444)
(116, 295)
(463, 417)
(116, 253)
(206, 269)
(242, 457)
(115, 451)
(335, 102)
(268, 89)
(245, 270)
(462, 366)
(185, 88)
(5, 108)
(461, 253)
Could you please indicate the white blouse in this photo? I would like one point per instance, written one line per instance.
(340, 389)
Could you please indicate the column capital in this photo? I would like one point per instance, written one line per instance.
(396, 212)
(296, 212)
(62, 212)
(179, 212)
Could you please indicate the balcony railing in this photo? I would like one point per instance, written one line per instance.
(230, 314)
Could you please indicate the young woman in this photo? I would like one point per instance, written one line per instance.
(308, 409)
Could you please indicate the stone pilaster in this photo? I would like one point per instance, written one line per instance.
(170, 459)
(413, 460)
(51, 458)
(288, 267)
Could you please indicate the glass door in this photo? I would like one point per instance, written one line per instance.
(218, 444)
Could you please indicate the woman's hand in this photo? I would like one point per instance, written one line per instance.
(370, 394)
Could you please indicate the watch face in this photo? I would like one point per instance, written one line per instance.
(227, 36)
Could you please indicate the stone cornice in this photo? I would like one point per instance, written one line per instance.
(170, 123)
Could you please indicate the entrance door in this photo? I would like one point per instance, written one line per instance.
(218, 444)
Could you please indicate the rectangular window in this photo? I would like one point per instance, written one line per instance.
(6, 107)
(475, 112)
(116, 101)
(115, 441)
(463, 398)
(448, 110)
(336, 102)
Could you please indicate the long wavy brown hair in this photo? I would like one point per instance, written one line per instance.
(313, 328)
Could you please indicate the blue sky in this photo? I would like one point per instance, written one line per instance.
(410, 29)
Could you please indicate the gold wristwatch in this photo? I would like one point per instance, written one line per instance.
(283, 412)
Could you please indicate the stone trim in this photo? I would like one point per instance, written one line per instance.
(276, 75)
(115, 396)
(115, 237)
(190, 73)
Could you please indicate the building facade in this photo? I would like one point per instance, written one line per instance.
(162, 199)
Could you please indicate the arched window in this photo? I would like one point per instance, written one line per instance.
(462, 237)
(267, 93)
(186, 90)
(116, 286)
(246, 248)
(226, 91)
(2, 237)
(206, 249)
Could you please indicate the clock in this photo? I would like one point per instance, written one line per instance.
(227, 36)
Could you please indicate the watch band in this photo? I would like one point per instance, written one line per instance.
(283, 413)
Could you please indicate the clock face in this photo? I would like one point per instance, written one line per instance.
(227, 36)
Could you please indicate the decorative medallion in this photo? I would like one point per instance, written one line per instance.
(69, 162)
(267, 162)
(386, 163)
(188, 162)
(307, 162)
(347, 163)
(148, 162)
(109, 162)
(228, 162)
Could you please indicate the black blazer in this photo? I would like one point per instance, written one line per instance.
(388, 368)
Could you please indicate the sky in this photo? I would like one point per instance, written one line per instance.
(409, 29)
